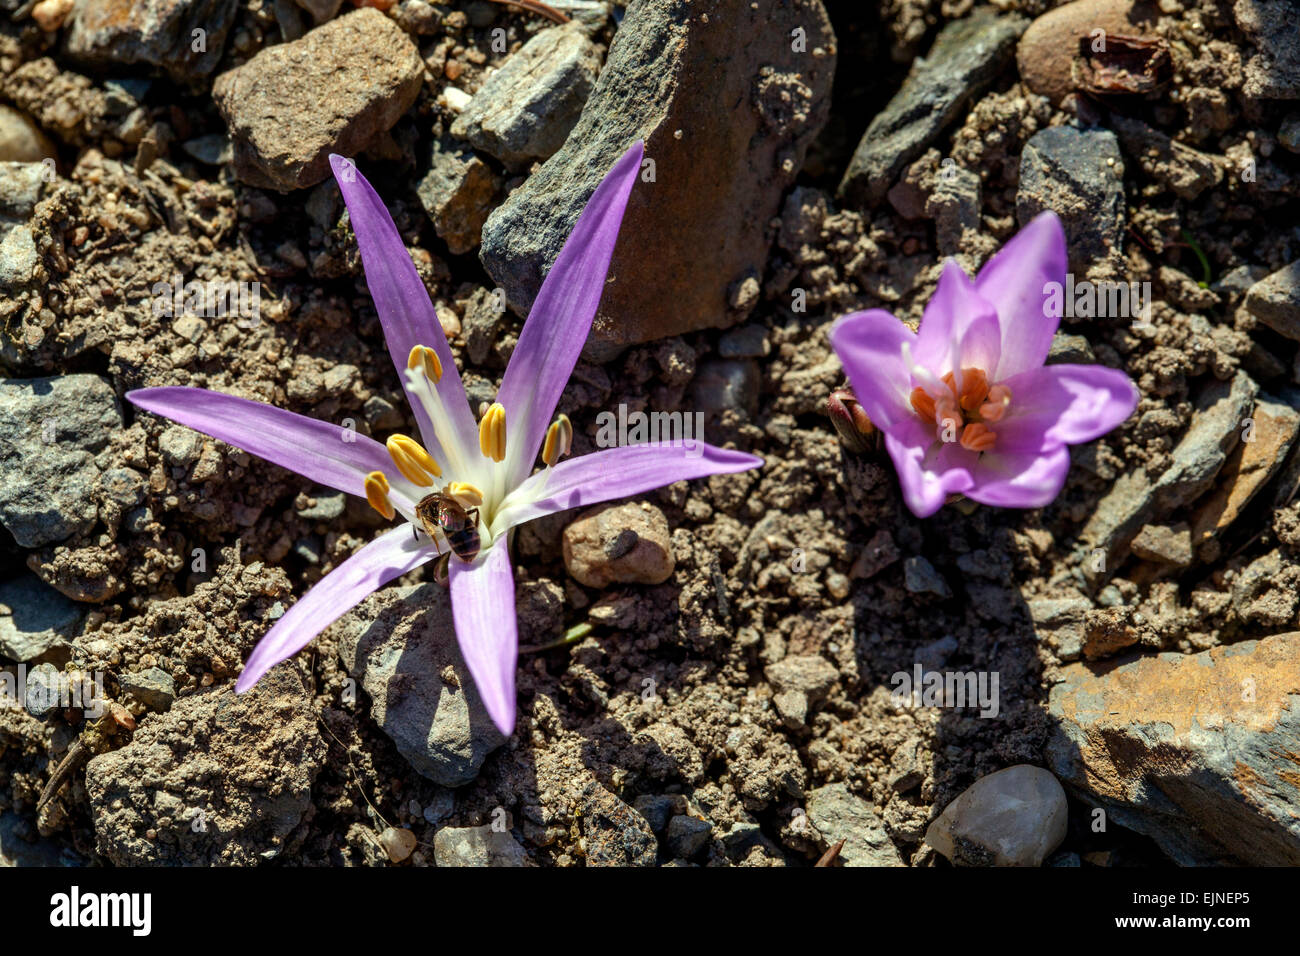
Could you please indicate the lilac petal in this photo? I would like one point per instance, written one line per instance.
(1064, 405)
(1014, 281)
(389, 556)
(870, 347)
(615, 473)
(928, 469)
(1019, 479)
(561, 317)
(483, 606)
(951, 311)
(981, 345)
(329, 454)
(403, 303)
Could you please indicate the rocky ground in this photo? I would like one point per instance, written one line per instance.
(707, 672)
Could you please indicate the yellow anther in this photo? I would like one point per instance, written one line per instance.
(377, 494)
(464, 494)
(492, 433)
(413, 461)
(559, 440)
(424, 357)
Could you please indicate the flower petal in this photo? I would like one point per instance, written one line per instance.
(1014, 281)
(949, 315)
(561, 317)
(483, 605)
(1019, 479)
(870, 347)
(615, 473)
(1064, 405)
(329, 454)
(407, 315)
(389, 556)
(928, 469)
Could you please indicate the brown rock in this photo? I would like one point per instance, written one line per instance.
(184, 37)
(727, 102)
(457, 193)
(1198, 751)
(1164, 544)
(1048, 48)
(1107, 630)
(1261, 452)
(628, 544)
(333, 91)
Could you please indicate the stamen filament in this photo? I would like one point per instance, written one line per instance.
(377, 494)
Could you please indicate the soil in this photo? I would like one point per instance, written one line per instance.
(804, 557)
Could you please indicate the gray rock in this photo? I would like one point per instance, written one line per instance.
(746, 341)
(934, 655)
(333, 91)
(20, 187)
(400, 644)
(50, 430)
(320, 10)
(43, 691)
(329, 505)
(920, 577)
(722, 385)
(967, 55)
(839, 815)
(156, 33)
(613, 833)
(741, 838)
(1070, 350)
(152, 687)
(1275, 300)
(1079, 175)
(658, 807)
(477, 846)
(1135, 500)
(687, 836)
(180, 446)
(1060, 622)
(18, 257)
(213, 149)
(1273, 70)
(123, 486)
(458, 193)
(35, 619)
(800, 682)
(1288, 134)
(525, 110)
(726, 108)
(1014, 817)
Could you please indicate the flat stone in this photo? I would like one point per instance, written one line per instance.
(687, 836)
(457, 192)
(1135, 500)
(1079, 175)
(966, 57)
(1048, 49)
(920, 577)
(1060, 623)
(152, 687)
(1266, 440)
(1275, 301)
(50, 431)
(20, 187)
(627, 544)
(524, 111)
(477, 846)
(35, 619)
(333, 91)
(1014, 817)
(1197, 751)
(156, 33)
(840, 815)
(1164, 544)
(400, 645)
(18, 257)
(613, 833)
(880, 552)
(1273, 68)
(726, 108)
(1070, 350)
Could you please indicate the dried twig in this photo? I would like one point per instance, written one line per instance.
(536, 6)
(831, 855)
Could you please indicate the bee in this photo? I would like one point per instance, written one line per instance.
(439, 512)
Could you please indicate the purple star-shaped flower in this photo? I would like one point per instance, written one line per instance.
(483, 470)
(965, 403)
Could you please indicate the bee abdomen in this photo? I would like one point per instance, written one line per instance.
(464, 542)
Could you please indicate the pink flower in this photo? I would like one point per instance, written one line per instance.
(966, 405)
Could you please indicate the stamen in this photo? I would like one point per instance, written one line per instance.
(923, 403)
(998, 399)
(413, 461)
(377, 494)
(978, 437)
(426, 358)
(464, 494)
(974, 388)
(492, 433)
(559, 440)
